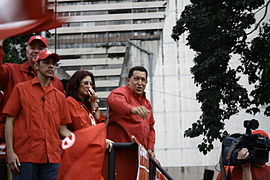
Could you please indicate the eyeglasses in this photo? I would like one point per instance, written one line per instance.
(86, 83)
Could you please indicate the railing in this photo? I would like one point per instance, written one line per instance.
(112, 155)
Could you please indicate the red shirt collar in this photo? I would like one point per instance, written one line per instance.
(35, 81)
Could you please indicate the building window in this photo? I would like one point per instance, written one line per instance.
(119, 11)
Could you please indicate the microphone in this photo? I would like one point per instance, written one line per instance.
(43, 98)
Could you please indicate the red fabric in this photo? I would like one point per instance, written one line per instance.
(122, 124)
(79, 114)
(84, 159)
(25, 17)
(226, 170)
(39, 114)
(258, 173)
(11, 74)
(1, 123)
(262, 132)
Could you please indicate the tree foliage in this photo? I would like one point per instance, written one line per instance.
(14, 49)
(217, 29)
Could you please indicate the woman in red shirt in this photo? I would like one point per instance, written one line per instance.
(83, 102)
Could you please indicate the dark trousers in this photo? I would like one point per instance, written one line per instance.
(3, 169)
(34, 171)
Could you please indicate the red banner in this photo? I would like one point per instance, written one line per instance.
(84, 154)
(25, 16)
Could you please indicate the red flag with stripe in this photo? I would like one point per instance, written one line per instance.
(26, 16)
(84, 154)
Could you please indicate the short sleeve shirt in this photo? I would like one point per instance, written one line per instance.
(38, 113)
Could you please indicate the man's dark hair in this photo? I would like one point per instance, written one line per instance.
(137, 68)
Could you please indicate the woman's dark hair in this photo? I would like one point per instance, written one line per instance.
(74, 84)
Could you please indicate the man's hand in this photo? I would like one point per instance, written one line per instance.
(13, 162)
(109, 144)
(243, 154)
(1, 42)
(151, 153)
(246, 167)
(141, 111)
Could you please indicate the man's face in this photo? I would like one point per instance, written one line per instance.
(46, 67)
(137, 82)
(33, 49)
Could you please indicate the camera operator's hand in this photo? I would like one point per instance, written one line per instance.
(246, 167)
(243, 154)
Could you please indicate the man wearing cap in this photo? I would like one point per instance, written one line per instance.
(36, 114)
(11, 73)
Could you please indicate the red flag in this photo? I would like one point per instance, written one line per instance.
(25, 16)
(84, 159)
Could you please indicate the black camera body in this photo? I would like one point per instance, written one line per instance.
(257, 145)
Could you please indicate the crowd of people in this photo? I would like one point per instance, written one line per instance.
(37, 112)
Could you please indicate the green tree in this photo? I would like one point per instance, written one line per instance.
(15, 48)
(217, 29)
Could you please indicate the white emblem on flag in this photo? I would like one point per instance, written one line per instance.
(67, 142)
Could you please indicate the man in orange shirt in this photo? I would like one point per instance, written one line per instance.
(11, 73)
(36, 113)
(130, 114)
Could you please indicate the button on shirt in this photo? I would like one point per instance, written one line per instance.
(123, 124)
(38, 113)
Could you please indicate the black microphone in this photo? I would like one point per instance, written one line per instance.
(43, 98)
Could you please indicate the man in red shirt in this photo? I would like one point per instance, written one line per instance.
(130, 114)
(36, 113)
(11, 73)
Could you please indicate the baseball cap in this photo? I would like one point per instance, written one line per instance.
(45, 54)
(262, 132)
(39, 38)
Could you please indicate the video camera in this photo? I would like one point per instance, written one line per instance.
(257, 145)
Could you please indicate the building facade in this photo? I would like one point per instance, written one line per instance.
(97, 32)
